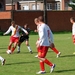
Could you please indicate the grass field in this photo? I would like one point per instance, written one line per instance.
(26, 64)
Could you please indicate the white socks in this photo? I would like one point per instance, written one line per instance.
(18, 48)
(29, 48)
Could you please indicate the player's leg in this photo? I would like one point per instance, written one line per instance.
(18, 47)
(2, 60)
(73, 38)
(28, 46)
(52, 46)
(41, 55)
(9, 48)
(14, 46)
(16, 39)
(10, 43)
(21, 39)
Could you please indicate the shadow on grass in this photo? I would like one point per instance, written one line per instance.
(68, 56)
(64, 70)
(2, 48)
(20, 63)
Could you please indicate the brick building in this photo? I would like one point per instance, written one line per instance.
(38, 5)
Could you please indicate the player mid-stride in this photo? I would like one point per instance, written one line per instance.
(24, 37)
(72, 20)
(43, 45)
(14, 36)
(51, 40)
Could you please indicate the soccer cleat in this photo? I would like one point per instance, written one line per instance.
(36, 56)
(3, 62)
(58, 55)
(8, 52)
(74, 53)
(31, 52)
(41, 72)
(18, 51)
(52, 68)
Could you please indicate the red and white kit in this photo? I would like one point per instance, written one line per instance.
(73, 32)
(14, 37)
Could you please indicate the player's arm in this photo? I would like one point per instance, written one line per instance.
(41, 35)
(24, 30)
(8, 31)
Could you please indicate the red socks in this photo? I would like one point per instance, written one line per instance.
(42, 66)
(9, 47)
(48, 62)
(55, 50)
(13, 49)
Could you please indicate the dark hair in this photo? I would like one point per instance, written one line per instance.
(41, 18)
(12, 22)
(73, 18)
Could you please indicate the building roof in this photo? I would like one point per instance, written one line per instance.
(10, 1)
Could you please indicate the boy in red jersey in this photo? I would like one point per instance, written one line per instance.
(43, 45)
(72, 20)
(14, 36)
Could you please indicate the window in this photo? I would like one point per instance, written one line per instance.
(57, 6)
(38, 7)
(66, 6)
(26, 7)
(49, 6)
(34, 7)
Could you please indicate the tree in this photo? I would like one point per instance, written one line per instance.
(72, 4)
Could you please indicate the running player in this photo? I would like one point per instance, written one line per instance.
(25, 38)
(14, 36)
(43, 45)
(72, 20)
(52, 46)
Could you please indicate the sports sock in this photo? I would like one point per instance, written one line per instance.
(55, 50)
(29, 48)
(9, 47)
(12, 49)
(18, 48)
(42, 66)
(48, 62)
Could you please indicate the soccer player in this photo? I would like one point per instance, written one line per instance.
(25, 38)
(52, 46)
(14, 36)
(43, 45)
(72, 20)
(2, 60)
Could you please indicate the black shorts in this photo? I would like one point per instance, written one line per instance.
(24, 38)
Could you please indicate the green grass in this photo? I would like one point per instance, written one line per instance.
(26, 64)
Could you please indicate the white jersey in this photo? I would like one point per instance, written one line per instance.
(44, 35)
(73, 29)
(50, 35)
(12, 29)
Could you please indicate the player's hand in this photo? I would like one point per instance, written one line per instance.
(35, 30)
(26, 33)
(37, 44)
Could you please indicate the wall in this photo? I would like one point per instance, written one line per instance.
(5, 15)
(57, 20)
(4, 24)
